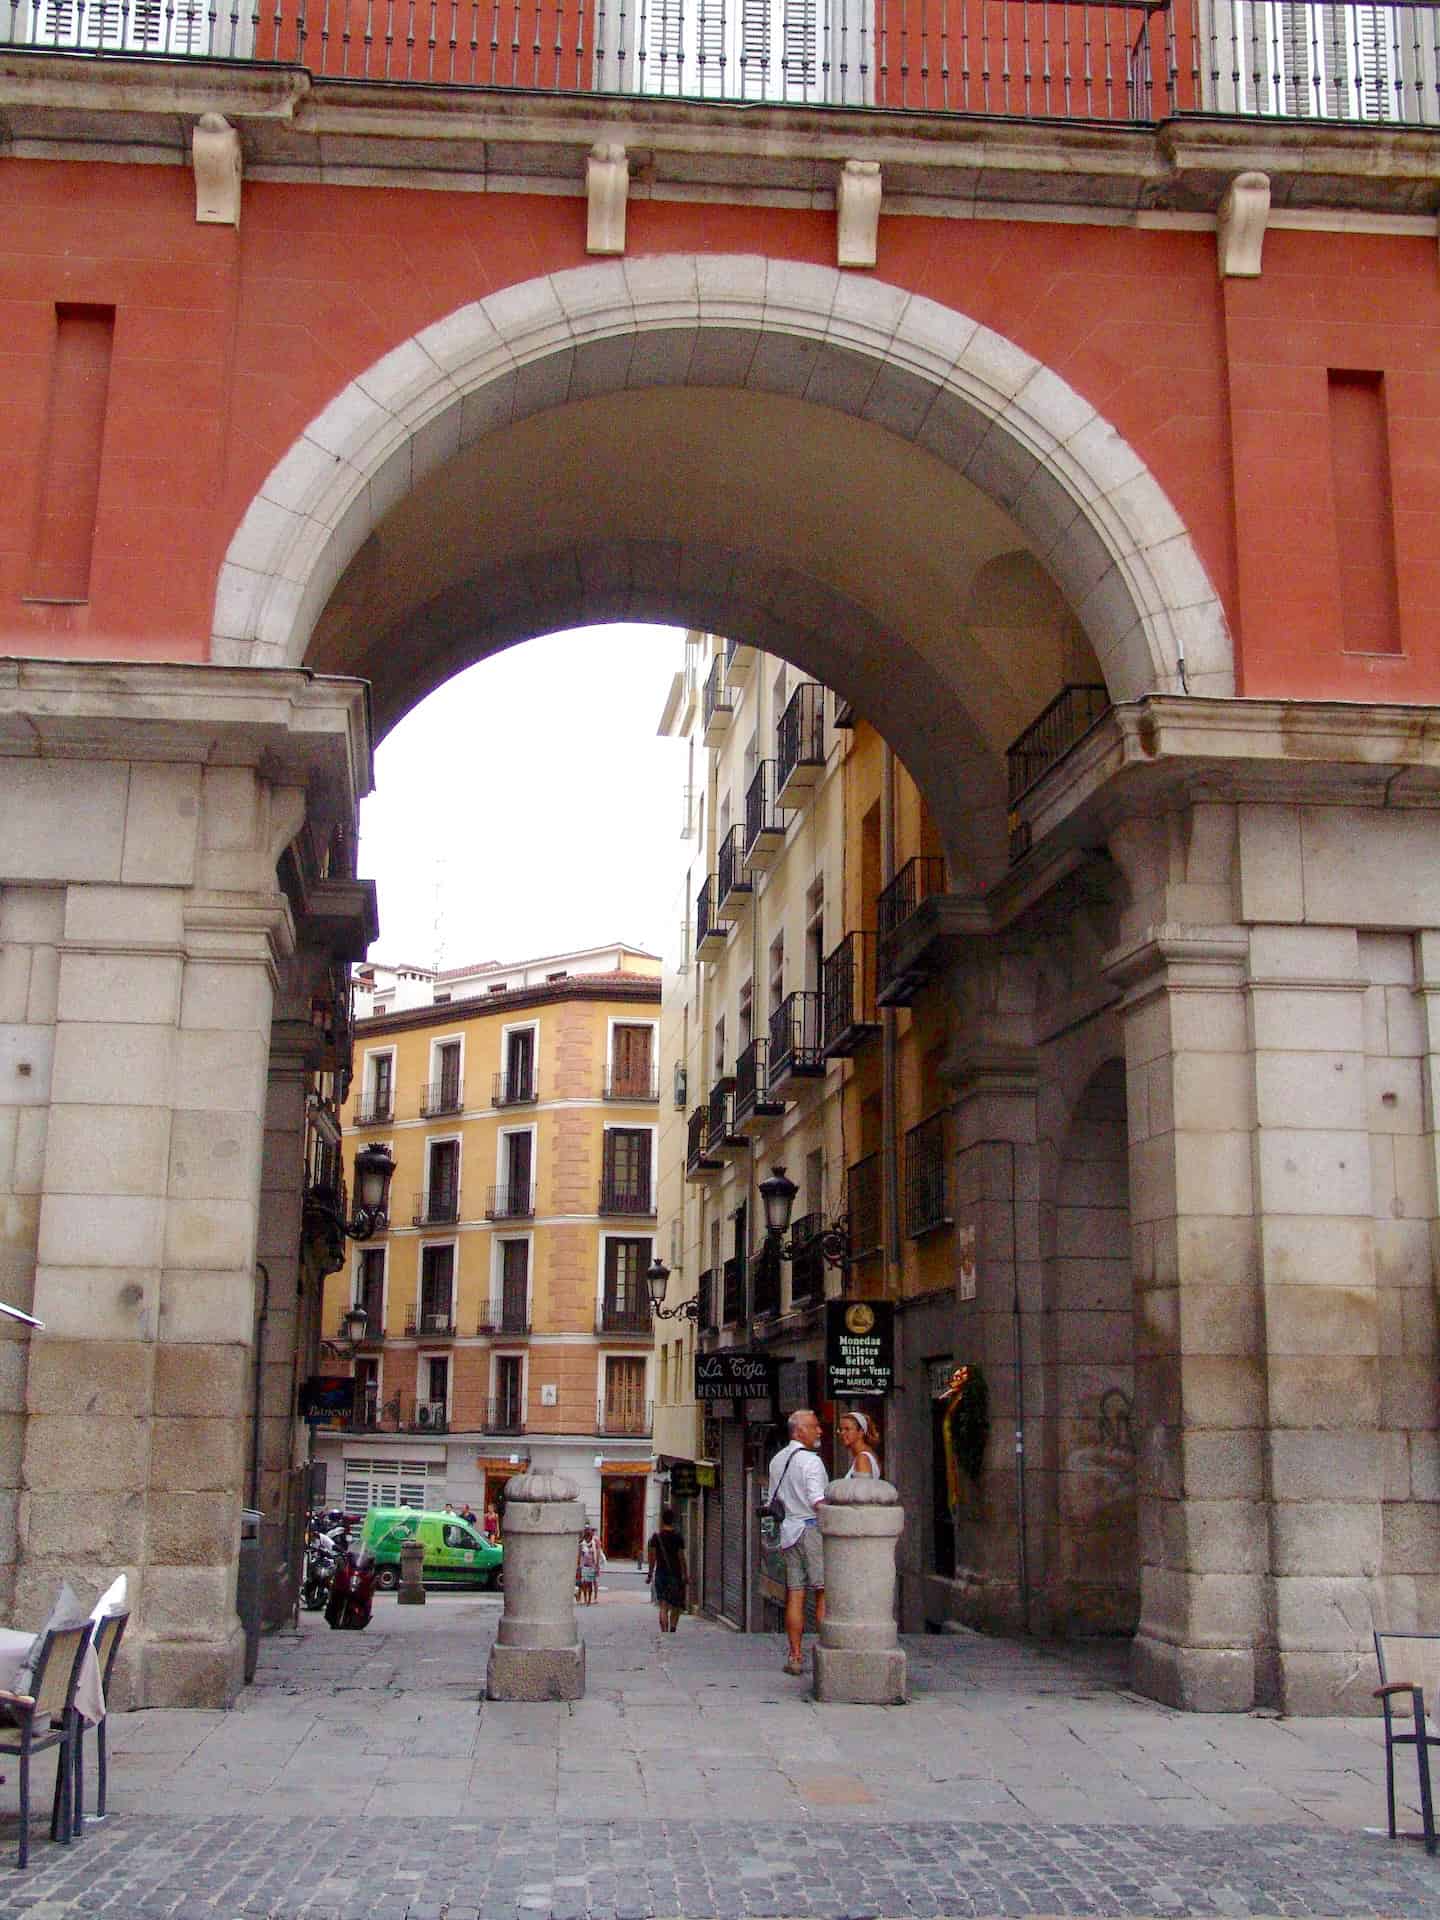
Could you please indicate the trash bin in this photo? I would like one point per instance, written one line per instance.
(247, 1587)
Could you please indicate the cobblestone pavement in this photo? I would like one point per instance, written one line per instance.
(362, 1779)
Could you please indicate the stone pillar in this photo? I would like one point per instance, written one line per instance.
(858, 1658)
(538, 1653)
(412, 1575)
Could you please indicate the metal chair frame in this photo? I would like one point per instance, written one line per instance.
(108, 1632)
(53, 1701)
(1421, 1739)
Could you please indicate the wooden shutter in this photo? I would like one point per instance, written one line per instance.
(632, 1068)
(444, 1177)
(437, 1272)
(514, 1283)
(517, 1171)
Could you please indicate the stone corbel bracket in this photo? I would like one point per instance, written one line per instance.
(215, 157)
(607, 190)
(857, 213)
(1240, 226)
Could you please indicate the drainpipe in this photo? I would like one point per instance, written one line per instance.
(260, 1324)
(890, 1057)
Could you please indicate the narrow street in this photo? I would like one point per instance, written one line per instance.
(362, 1777)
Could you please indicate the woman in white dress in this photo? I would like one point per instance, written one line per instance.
(857, 1435)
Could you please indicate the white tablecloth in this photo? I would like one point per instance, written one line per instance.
(89, 1696)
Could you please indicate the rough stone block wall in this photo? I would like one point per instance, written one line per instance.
(31, 923)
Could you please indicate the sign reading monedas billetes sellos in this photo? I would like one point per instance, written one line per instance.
(859, 1348)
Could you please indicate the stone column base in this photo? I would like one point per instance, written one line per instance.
(536, 1673)
(1195, 1679)
(189, 1673)
(861, 1677)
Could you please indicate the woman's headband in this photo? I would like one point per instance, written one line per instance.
(862, 1420)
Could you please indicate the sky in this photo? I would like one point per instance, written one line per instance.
(527, 806)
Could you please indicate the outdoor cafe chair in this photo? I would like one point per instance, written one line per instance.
(109, 1631)
(45, 1718)
(1417, 1656)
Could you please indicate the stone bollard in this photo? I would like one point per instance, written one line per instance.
(858, 1657)
(538, 1654)
(412, 1575)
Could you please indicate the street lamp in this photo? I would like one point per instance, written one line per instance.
(657, 1278)
(777, 1196)
(374, 1170)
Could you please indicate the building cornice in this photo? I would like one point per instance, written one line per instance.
(294, 126)
(641, 989)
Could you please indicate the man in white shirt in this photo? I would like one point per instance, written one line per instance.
(798, 1477)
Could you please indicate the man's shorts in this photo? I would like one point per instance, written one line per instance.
(805, 1561)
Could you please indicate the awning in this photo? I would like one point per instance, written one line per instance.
(612, 1468)
(500, 1462)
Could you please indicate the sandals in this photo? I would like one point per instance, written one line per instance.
(796, 1667)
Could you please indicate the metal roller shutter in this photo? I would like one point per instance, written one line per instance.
(714, 1548)
(732, 1604)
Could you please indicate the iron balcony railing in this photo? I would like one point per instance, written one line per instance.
(732, 876)
(514, 1087)
(707, 1294)
(632, 1083)
(732, 1304)
(765, 1283)
(753, 1083)
(440, 1207)
(619, 1313)
(864, 1207)
(1135, 61)
(847, 995)
(505, 1415)
(925, 1207)
(630, 1195)
(720, 1111)
(624, 1420)
(432, 1325)
(800, 736)
(916, 881)
(711, 931)
(1045, 743)
(442, 1096)
(762, 814)
(807, 1264)
(507, 1312)
(795, 1038)
(510, 1200)
(375, 1109)
(715, 701)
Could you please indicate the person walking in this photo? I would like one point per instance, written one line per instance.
(588, 1562)
(856, 1433)
(665, 1563)
(798, 1481)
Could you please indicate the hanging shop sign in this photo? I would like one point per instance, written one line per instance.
(859, 1348)
(733, 1375)
(327, 1399)
(684, 1480)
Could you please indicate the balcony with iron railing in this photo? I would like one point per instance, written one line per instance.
(513, 1087)
(707, 1300)
(764, 827)
(637, 1084)
(628, 1196)
(925, 1205)
(800, 745)
(374, 1109)
(739, 660)
(722, 1139)
(711, 927)
(717, 705)
(700, 1163)
(510, 1200)
(1128, 62)
(432, 1324)
(734, 887)
(807, 1263)
(624, 1420)
(732, 1300)
(765, 1283)
(503, 1415)
(625, 1313)
(442, 1096)
(865, 1207)
(437, 1207)
(1050, 736)
(507, 1313)
(752, 1088)
(795, 1052)
(901, 969)
(848, 1016)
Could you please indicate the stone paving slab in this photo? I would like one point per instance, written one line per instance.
(363, 1777)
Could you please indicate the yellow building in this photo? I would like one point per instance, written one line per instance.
(507, 1318)
(806, 1035)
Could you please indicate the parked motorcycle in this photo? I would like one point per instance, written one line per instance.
(352, 1592)
(322, 1557)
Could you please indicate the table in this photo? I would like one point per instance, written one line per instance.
(89, 1695)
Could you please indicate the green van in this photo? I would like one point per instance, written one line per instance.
(455, 1554)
